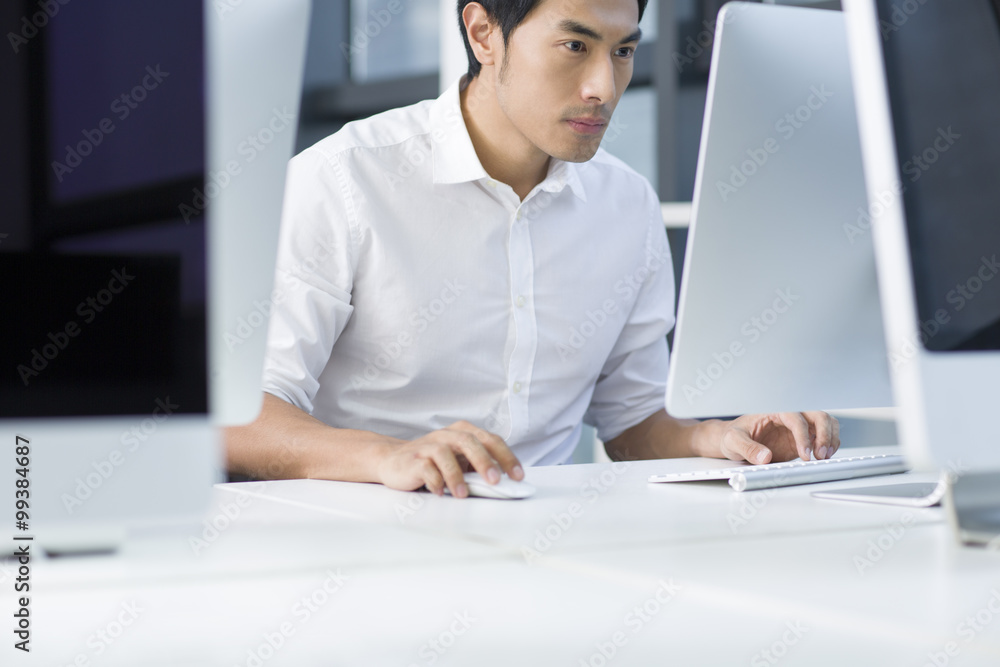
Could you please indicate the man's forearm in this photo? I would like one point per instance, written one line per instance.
(661, 436)
(286, 443)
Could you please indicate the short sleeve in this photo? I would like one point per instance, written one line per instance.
(632, 382)
(311, 302)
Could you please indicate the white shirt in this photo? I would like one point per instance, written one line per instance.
(413, 290)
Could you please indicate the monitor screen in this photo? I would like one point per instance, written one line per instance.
(108, 316)
(139, 88)
(943, 71)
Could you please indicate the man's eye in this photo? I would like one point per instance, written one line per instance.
(576, 47)
(626, 51)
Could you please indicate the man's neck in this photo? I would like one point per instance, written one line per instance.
(505, 153)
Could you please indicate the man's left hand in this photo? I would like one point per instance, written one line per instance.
(784, 436)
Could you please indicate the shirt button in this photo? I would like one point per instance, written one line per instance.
(521, 301)
(517, 387)
(493, 184)
(518, 216)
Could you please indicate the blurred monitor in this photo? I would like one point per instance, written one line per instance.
(928, 82)
(143, 181)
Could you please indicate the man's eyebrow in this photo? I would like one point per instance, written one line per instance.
(575, 27)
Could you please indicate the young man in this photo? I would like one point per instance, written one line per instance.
(463, 282)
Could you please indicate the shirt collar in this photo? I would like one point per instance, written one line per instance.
(560, 175)
(455, 159)
(454, 156)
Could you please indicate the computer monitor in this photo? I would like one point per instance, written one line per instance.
(928, 93)
(149, 145)
(779, 307)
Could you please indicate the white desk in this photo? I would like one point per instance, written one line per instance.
(454, 572)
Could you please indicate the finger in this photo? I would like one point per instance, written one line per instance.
(444, 458)
(739, 446)
(797, 424)
(835, 441)
(476, 453)
(432, 478)
(498, 449)
(823, 424)
(504, 456)
(464, 464)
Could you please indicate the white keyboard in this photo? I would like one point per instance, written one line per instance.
(750, 477)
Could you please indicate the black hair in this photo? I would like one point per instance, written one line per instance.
(508, 14)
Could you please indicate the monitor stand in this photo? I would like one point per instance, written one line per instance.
(973, 506)
(972, 502)
(92, 479)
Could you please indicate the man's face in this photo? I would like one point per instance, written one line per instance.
(564, 71)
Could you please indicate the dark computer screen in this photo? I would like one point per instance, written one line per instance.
(107, 312)
(942, 61)
(126, 90)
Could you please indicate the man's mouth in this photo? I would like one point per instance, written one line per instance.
(586, 125)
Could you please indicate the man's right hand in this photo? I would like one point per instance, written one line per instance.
(433, 460)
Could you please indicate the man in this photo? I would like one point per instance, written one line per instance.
(466, 280)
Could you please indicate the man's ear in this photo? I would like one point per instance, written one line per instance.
(481, 34)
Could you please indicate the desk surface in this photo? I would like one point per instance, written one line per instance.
(599, 568)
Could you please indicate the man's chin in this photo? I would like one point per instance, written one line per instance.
(579, 153)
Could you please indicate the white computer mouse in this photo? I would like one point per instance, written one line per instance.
(505, 489)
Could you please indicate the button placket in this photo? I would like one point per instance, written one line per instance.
(525, 326)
